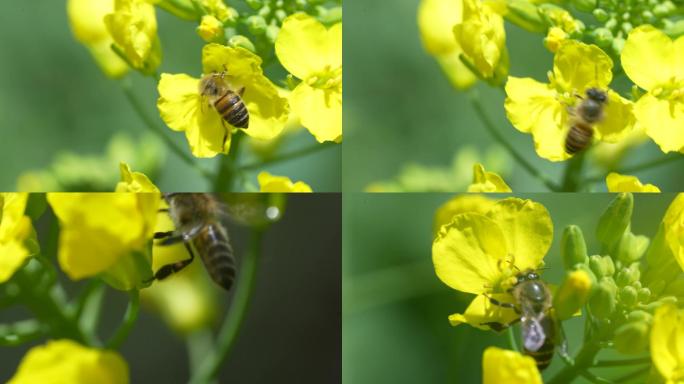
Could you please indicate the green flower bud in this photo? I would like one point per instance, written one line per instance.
(600, 15)
(603, 37)
(615, 219)
(627, 276)
(602, 266)
(612, 23)
(584, 5)
(257, 25)
(643, 294)
(272, 32)
(639, 315)
(647, 16)
(627, 27)
(652, 306)
(241, 41)
(602, 300)
(265, 11)
(525, 15)
(628, 296)
(675, 29)
(129, 272)
(280, 14)
(632, 247)
(632, 338)
(573, 247)
(572, 294)
(255, 4)
(618, 44)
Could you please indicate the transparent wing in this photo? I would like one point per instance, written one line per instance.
(252, 209)
(533, 333)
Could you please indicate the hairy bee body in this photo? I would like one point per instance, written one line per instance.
(589, 112)
(196, 217)
(227, 102)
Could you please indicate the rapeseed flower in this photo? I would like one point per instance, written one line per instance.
(134, 181)
(272, 183)
(87, 25)
(183, 108)
(542, 109)
(625, 183)
(16, 231)
(460, 204)
(106, 234)
(655, 63)
(673, 227)
(667, 343)
(436, 21)
(210, 29)
(313, 53)
(65, 361)
(510, 367)
(482, 253)
(133, 26)
(487, 181)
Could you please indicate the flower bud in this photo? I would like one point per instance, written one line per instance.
(572, 294)
(627, 276)
(241, 41)
(602, 266)
(255, 4)
(272, 32)
(643, 294)
(615, 219)
(603, 37)
(584, 5)
(210, 29)
(525, 15)
(573, 247)
(632, 338)
(600, 15)
(256, 25)
(628, 296)
(632, 247)
(602, 300)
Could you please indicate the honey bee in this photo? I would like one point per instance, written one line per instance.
(197, 225)
(227, 102)
(589, 112)
(540, 330)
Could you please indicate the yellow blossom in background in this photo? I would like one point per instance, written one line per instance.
(673, 225)
(482, 37)
(555, 38)
(610, 155)
(501, 366)
(481, 254)
(436, 21)
(15, 231)
(667, 343)
(313, 53)
(220, 10)
(87, 25)
(487, 181)
(67, 362)
(272, 183)
(210, 29)
(133, 26)
(656, 63)
(134, 181)
(460, 204)
(106, 234)
(542, 109)
(625, 183)
(183, 108)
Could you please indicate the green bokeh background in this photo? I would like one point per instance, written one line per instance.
(395, 309)
(400, 108)
(54, 98)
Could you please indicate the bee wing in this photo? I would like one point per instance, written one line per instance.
(533, 334)
(250, 209)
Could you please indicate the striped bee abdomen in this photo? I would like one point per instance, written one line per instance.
(579, 137)
(233, 110)
(217, 254)
(544, 354)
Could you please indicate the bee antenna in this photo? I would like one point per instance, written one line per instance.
(513, 265)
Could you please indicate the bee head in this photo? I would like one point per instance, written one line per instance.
(597, 95)
(528, 275)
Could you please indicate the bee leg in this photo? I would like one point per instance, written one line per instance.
(225, 135)
(504, 305)
(165, 210)
(241, 91)
(498, 327)
(168, 269)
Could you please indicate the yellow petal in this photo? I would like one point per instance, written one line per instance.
(65, 361)
(527, 228)
(182, 109)
(578, 66)
(665, 340)
(15, 231)
(436, 21)
(459, 75)
(268, 111)
(133, 26)
(460, 204)
(625, 183)
(663, 121)
(487, 181)
(304, 46)
(481, 311)
(619, 120)
(487, 51)
(532, 107)
(320, 111)
(210, 28)
(134, 181)
(510, 367)
(673, 224)
(648, 57)
(467, 252)
(272, 183)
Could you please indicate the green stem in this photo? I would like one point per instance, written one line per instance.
(129, 319)
(225, 177)
(617, 363)
(159, 131)
(583, 360)
(236, 314)
(572, 179)
(639, 167)
(199, 344)
(507, 145)
(88, 312)
(633, 375)
(288, 156)
(512, 339)
(21, 332)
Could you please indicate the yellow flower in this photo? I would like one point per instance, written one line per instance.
(667, 343)
(610, 155)
(65, 361)
(625, 183)
(436, 21)
(210, 29)
(183, 108)
(481, 254)
(510, 367)
(482, 37)
(460, 204)
(542, 109)
(87, 25)
(272, 183)
(656, 63)
(134, 181)
(487, 181)
(15, 231)
(220, 10)
(107, 234)
(555, 38)
(673, 225)
(133, 26)
(313, 54)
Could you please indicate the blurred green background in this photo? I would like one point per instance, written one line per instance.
(395, 309)
(54, 99)
(399, 108)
